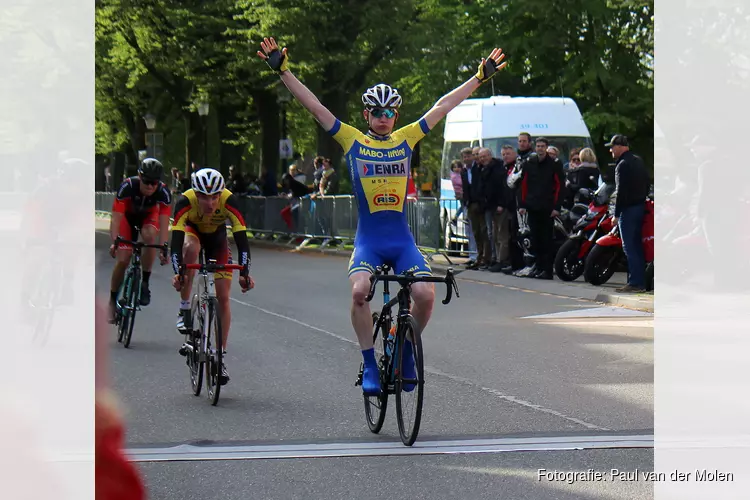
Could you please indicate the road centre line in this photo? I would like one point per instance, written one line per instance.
(497, 393)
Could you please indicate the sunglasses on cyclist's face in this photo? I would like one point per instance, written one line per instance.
(149, 182)
(387, 112)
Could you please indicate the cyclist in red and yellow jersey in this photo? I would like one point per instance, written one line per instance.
(201, 214)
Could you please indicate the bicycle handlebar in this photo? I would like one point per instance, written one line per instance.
(214, 267)
(407, 279)
(138, 244)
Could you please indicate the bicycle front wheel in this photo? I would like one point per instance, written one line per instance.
(409, 381)
(376, 406)
(194, 362)
(121, 305)
(44, 312)
(213, 352)
(132, 303)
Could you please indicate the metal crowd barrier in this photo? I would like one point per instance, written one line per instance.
(329, 220)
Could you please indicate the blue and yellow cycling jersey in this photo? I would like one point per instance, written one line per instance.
(380, 170)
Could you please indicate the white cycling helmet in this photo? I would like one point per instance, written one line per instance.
(381, 96)
(208, 181)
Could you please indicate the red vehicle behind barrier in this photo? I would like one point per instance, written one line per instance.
(605, 256)
(571, 257)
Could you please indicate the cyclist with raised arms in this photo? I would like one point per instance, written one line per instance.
(379, 166)
(201, 214)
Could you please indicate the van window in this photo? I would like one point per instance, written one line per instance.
(564, 144)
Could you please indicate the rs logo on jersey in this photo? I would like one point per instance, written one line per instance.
(386, 200)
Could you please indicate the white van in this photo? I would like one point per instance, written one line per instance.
(495, 121)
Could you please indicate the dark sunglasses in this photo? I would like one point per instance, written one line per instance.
(378, 112)
(149, 182)
(576, 159)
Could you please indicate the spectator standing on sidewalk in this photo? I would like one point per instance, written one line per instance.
(542, 186)
(632, 183)
(458, 188)
(494, 190)
(329, 181)
(467, 156)
(474, 199)
(583, 173)
(296, 174)
(510, 155)
(317, 173)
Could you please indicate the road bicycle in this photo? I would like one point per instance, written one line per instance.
(46, 297)
(391, 362)
(205, 326)
(129, 295)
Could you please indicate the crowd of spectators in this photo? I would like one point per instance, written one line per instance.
(526, 188)
(526, 185)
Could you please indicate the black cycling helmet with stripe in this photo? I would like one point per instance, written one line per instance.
(151, 168)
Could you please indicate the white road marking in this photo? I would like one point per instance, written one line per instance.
(499, 394)
(595, 312)
(185, 452)
(301, 323)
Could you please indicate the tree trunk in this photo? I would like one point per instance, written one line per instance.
(193, 140)
(229, 154)
(136, 129)
(335, 101)
(269, 117)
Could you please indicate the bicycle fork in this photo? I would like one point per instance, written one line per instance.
(199, 340)
(127, 284)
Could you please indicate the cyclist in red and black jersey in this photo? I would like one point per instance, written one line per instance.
(142, 201)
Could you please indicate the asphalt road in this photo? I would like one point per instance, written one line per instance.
(491, 373)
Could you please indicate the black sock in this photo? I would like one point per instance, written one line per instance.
(146, 276)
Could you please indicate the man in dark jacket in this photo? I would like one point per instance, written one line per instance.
(494, 189)
(467, 158)
(510, 155)
(632, 183)
(540, 195)
(474, 201)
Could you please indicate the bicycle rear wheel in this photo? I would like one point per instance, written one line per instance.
(194, 355)
(409, 391)
(376, 406)
(213, 354)
(132, 303)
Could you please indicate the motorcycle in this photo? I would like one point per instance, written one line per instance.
(559, 236)
(575, 208)
(607, 253)
(571, 256)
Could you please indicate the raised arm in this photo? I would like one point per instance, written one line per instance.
(278, 61)
(487, 69)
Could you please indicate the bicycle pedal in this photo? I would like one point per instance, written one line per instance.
(359, 375)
